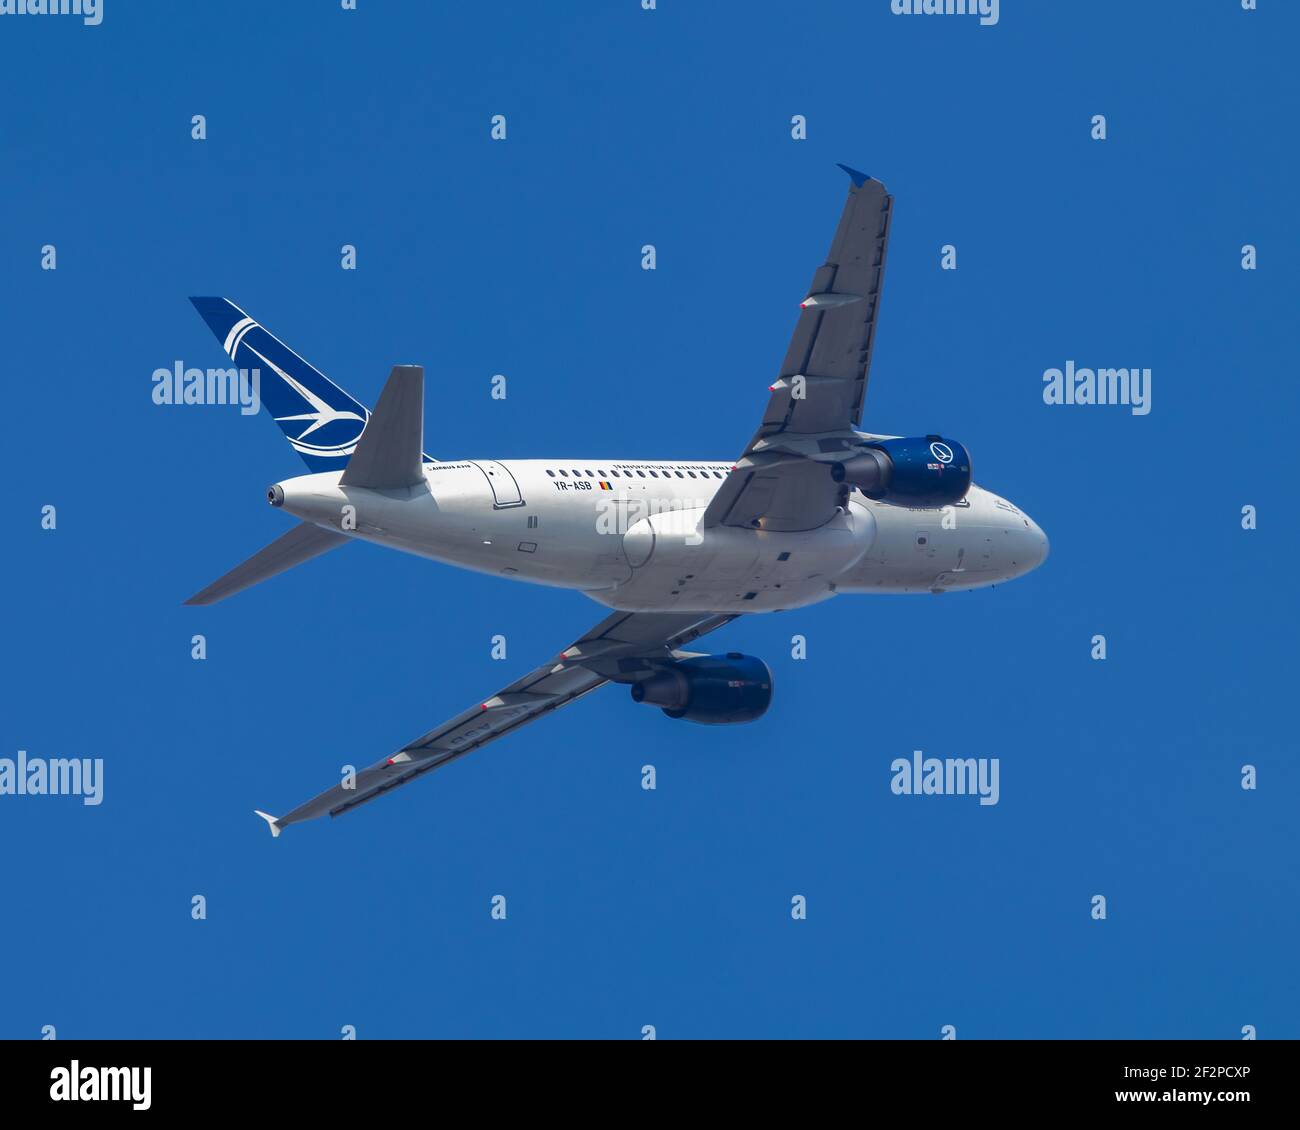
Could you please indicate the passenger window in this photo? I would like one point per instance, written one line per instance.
(550, 472)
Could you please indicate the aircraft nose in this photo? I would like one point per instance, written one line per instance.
(1039, 546)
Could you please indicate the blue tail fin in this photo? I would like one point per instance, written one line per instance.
(319, 419)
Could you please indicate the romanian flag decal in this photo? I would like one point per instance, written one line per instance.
(604, 485)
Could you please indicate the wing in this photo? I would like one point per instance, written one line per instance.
(619, 648)
(823, 379)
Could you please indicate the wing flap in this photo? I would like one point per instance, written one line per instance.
(776, 494)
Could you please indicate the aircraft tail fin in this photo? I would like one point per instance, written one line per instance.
(319, 419)
(300, 544)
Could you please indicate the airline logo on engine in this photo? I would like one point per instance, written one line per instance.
(942, 452)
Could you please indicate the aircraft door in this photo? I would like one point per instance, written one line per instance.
(505, 490)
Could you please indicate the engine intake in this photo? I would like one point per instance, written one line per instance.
(929, 471)
(713, 689)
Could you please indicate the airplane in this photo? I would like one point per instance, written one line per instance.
(812, 508)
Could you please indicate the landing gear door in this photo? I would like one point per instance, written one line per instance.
(505, 491)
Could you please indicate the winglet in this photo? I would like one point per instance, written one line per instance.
(858, 179)
(271, 820)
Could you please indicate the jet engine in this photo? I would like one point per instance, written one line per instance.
(929, 471)
(713, 689)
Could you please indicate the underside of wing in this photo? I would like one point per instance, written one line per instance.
(823, 379)
(779, 482)
(619, 648)
(776, 492)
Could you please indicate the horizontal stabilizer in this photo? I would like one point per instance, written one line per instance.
(388, 454)
(300, 544)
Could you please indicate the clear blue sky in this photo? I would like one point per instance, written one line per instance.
(670, 908)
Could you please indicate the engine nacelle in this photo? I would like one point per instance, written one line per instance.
(713, 689)
(932, 471)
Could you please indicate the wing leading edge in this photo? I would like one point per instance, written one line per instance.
(833, 337)
(617, 649)
(823, 379)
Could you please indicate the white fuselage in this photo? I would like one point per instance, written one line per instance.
(630, 535)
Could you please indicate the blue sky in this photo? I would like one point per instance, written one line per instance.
(522, 257)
